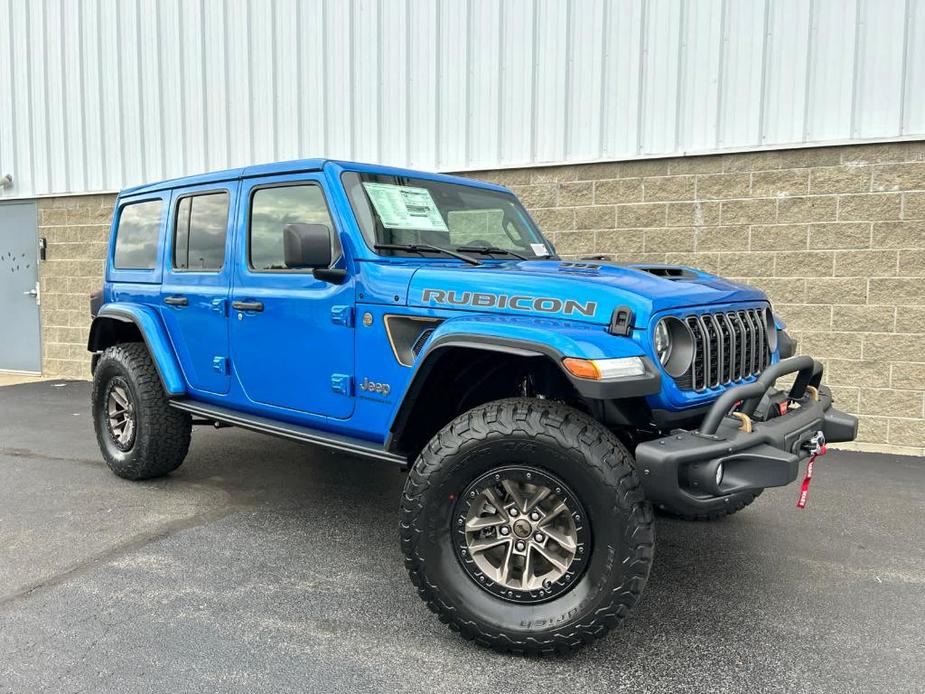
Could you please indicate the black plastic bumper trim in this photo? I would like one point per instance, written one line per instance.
(678, 471)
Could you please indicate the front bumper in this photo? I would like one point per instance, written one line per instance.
(680, 472)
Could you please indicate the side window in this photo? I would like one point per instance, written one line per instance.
(272, 209)
(199, 235)
(136, 236)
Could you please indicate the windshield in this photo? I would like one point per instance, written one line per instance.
(401, 210)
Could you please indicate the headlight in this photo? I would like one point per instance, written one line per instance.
(771, 329)
(674, 346)
(662, 342)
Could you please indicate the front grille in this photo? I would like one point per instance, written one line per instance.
(728, 347)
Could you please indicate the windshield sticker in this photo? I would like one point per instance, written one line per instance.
(540, 249)
(405, 207)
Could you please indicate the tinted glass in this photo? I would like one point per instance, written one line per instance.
(199, 242)
(136, 238)
(399, 210)
(274, 208)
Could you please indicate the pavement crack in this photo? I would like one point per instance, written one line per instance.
(32, 455)
(119, 550)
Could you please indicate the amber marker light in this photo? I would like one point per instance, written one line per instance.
(582, 368)
(604, 369)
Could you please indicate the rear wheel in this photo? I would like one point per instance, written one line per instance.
(524, 527)
(138, 432)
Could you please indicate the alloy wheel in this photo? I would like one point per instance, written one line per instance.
(120, 414)
(521, 534)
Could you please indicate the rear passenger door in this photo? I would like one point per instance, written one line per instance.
(196, 282)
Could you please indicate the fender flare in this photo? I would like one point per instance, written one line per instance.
(154, 334)
(637, 386)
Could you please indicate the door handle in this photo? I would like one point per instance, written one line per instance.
(247, 305)
(176, 301)
(35, 292)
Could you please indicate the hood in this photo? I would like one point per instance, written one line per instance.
(586, 291)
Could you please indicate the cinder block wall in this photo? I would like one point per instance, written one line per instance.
(836, 236)
(77, 231)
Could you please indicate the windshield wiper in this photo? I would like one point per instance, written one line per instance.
(491, 250)
(425, 248)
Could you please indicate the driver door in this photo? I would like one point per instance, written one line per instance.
(288, 346)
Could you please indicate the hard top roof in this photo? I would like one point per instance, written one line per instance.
(295, 166)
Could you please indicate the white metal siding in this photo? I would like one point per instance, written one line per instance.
(101, 94)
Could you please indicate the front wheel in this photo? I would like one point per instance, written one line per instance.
(524, 527)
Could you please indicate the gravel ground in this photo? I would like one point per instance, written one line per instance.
(264, 566)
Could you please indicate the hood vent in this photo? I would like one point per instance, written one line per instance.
(594, 264)
(669, 272)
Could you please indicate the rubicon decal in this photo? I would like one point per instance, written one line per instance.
(542, 304)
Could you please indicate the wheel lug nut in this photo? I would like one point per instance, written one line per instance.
(520, 545)
(535, 516)
(514, 513)
(505, 530)
(538, 537)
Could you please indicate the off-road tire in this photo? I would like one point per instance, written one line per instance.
(736, 503)
(589, 459)
(162, 433)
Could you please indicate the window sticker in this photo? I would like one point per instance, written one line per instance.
(405, 207)
(540, 249)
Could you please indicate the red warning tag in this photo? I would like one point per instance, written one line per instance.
(804, 488)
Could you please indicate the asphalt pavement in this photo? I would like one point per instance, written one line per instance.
(265, 566)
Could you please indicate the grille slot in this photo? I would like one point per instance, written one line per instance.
(419, 342)
(728, 347)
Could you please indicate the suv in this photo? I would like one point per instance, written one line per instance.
(543, 406)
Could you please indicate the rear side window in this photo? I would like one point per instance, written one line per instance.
(199, 234)
(136, 237)
(272, 209)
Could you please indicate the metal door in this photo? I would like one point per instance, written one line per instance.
(20, 336)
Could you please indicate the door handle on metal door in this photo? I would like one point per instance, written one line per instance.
(36, 292)
(247, 305)
(176, 300)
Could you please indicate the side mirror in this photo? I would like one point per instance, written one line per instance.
(309, 246)
(306, 246)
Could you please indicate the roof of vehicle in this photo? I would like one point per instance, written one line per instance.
(296, 166)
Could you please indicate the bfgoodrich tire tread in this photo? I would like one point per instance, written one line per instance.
(600, 450)
(163, 433)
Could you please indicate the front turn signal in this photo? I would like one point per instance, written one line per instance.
(604, 369)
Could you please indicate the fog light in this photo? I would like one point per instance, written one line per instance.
(719, 474)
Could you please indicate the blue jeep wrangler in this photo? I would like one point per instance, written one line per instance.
(543, 406)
